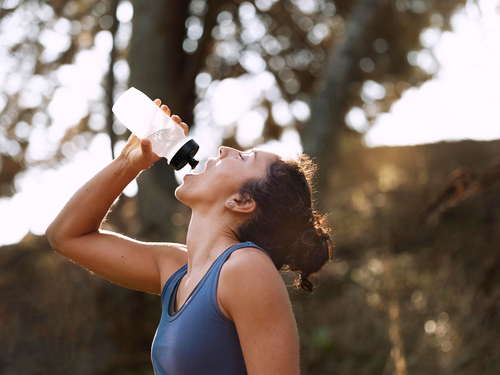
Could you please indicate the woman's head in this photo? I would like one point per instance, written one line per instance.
(284, 222)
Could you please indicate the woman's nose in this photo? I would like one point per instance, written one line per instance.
(225, 151)
(222, 151)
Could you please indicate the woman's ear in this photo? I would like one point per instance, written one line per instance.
(240, 204)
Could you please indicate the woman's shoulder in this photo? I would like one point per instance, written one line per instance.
(250, 261)
(249, 280)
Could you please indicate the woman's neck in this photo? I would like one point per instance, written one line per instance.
(208, 237)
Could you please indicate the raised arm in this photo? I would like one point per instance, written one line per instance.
(76, 234)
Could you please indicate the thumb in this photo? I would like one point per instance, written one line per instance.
(146, 146)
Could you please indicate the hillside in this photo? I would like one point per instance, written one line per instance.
(414, 288)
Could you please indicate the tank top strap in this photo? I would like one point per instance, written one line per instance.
(171, 283)
(220, 261)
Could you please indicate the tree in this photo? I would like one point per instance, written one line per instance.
(321, 53)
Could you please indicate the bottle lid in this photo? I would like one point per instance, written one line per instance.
(185, 155)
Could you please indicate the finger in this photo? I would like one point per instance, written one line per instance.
(157, 102)
(165, 109)
(185, 127)
(177, 119)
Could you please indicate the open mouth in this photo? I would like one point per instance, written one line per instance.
(198, 170)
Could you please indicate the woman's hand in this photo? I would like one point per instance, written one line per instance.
(139, 153)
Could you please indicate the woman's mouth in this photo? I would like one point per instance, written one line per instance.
(194, 172)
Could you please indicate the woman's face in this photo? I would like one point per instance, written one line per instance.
(223, 176)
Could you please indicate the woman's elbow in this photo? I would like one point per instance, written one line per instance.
(55, 237)
(50, 234)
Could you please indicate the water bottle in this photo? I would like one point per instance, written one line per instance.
(146, 120)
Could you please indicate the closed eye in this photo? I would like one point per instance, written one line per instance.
(241, 155)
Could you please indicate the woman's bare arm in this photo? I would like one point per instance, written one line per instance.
(254, 296)
(76, 234)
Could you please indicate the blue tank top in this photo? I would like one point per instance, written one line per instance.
(199, 338)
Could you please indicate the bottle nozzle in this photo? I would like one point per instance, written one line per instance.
(193, 163)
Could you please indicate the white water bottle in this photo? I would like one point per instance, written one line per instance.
(146, 120)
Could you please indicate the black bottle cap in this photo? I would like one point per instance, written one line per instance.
(185, 155)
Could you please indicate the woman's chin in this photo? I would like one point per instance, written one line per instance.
(182, 193)
(178, 192)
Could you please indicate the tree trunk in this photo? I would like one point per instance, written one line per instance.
(156, 63)
(329, 108)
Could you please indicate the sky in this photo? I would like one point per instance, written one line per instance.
(459, 103)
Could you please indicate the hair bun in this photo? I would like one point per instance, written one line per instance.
(311, 251)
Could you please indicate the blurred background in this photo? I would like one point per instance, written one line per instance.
(397, 101)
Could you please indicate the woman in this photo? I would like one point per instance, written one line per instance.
(225, 307)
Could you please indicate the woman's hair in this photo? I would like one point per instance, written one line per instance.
(285, 223)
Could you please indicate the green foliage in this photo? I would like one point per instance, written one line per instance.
(293, 39)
